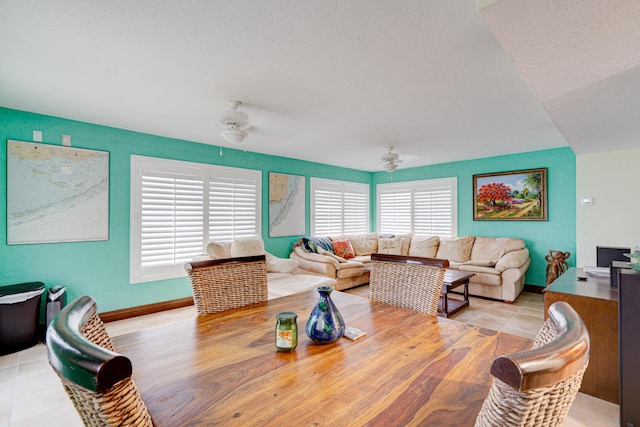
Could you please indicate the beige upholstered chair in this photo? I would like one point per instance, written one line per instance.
(537, 387)
(224, 284)
(409, 282)
(96, 378)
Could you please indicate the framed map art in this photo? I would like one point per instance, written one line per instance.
(286, 205)
(56, 194)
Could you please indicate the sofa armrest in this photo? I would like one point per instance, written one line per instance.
(311, 256)
(513, 259)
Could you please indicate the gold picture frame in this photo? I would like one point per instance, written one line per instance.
(510, 196)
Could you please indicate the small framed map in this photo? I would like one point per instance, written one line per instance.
(56, 194)
(286, 205)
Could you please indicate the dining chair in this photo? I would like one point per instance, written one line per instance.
(537, 387)
(409, 282)
(223, 284)
(96, 378)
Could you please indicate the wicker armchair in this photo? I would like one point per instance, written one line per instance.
(224, 284)
(537, 387)
(97, 379)
(409, 282)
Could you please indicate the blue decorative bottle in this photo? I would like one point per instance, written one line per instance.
(325, 324)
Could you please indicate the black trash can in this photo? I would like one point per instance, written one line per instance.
(19, 315)
(56, 300)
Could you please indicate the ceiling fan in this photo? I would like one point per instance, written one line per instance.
(390, 160)
(234, 123)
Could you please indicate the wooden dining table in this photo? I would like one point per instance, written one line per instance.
(223, 369)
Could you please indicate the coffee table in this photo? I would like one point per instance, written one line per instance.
(453, 279)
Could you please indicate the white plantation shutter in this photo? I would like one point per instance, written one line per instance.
(394, 210)
(178, 207)
(420, 207)
(232, 208)
(338, 207)
(172, 214)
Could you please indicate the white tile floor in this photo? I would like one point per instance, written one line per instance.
(31, 394)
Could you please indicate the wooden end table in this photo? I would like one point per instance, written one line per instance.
(453, 279)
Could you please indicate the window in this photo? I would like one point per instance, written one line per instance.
(421, 207)
(177, 207)
(338, 207)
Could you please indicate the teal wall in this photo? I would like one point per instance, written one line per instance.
(101, 269)
(559, 232)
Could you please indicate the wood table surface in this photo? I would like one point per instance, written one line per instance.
(223, 369)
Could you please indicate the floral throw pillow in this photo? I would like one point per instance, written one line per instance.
(343, 248)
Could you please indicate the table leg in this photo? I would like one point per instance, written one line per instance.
(466, 291)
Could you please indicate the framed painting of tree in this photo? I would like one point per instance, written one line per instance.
(510, 196)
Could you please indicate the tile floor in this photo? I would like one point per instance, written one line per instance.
(31, 394)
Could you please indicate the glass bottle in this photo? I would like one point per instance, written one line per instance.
(286, 331)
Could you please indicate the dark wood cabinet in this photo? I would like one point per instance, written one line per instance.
(596, 301)
(629, 338)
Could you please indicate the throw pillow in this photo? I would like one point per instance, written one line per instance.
(364, 244)
(219, 250)
(343, 249)
(424, 246)
(247, 246)
(392, 246)
(458, 249)
(311, 244)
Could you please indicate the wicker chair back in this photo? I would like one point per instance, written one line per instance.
(223, 284)
(409, 282)
(97, 379)
(537, 387)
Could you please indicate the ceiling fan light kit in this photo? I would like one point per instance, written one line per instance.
(390, 160)
(234, 121)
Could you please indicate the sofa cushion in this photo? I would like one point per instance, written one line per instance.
(494, 248)
(219, 250)
(349, 269)
(424, 246)
(486, 279)
(364, 244)
(311, 244)
(247, 246)
(481, 262)
(478, 269)
(343, 248)
(406, 243)
(457, 249)
(391, 246)
(280, 265)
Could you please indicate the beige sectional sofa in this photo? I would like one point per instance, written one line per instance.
(499, 263)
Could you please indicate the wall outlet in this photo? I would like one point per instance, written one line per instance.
(66, 140)
(37, 136)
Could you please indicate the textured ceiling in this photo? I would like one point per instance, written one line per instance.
(581, 60)
(334, 82)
